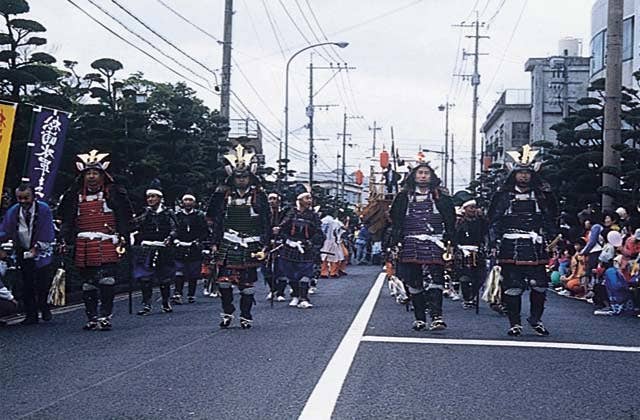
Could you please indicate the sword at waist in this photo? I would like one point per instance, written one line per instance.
(295, 244)
(234, 237)
(98, 235)
(436, 239)
(468, 249)
(533, 236)
(183, 244)
(156, 244)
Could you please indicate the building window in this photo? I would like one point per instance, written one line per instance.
(627, 39)
(597, 52)
(519, 134)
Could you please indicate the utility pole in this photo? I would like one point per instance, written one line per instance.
(613, 90)
(311, 111)
(344, 152)
(452, 163)
(225, 89)
(344, 135)
(310, 115)
(375, 128)
(475, 82)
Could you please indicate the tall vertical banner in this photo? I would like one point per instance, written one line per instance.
(7, 119)
(47, 140)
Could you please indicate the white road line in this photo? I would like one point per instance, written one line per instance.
(324, 396)
(500, 343)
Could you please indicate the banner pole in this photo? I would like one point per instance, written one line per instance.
(30, 145)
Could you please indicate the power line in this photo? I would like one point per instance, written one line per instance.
(189, 21)
(490, 21)
(138, 48)
(143, 39)
(324, 35)
(137, 19)
(329, 52)
(377, 17)
(513, 32)
(295, 24)
(273, 29)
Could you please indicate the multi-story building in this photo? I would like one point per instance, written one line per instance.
(630, 56)
(507, 126)
(556, 84)
(523, 116)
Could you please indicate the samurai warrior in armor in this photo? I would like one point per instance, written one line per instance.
(241, 230)
(422, 222)
(96, 216)
(522, 217)
(277, 213)
(153, 258)
(191, 232)
(302, 234)
(470, 260)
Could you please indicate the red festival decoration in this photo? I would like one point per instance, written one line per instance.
(384, 159)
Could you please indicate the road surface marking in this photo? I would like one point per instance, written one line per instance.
(324, 396)
(500, 343)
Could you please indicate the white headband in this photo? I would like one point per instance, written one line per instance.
(153, 191)
(187, 196)
(469, 203)
(302, 195)
(273, 195)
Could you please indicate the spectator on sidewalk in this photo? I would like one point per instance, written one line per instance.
(362, 242)
(29, 224)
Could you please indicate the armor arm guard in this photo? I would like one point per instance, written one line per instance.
(121, 205)
(397, 214)
(173, 225)
(497, 208)
(203, 228)
(215, 213)
(285, 224)
(549, 207)
(317, 239)
(446, 208)
(264, 214)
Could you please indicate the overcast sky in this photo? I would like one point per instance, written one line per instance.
(404, 52)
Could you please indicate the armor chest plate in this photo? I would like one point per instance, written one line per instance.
(95, 216)
(422, 217)
(240, 216)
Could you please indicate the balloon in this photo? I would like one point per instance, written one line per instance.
(614, 238)
(555, 278)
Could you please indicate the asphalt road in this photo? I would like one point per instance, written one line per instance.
(182, 366)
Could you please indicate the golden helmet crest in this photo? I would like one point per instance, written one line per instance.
(92, 160)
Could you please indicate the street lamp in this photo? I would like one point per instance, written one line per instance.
(286, 97)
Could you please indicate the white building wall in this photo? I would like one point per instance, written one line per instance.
(599, 23)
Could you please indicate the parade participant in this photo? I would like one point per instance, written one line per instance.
(422, 222)
(241, 230)
(276, 215)
(302, 233)
(29, 224)
(153, 260)
(191, 232)
(522, 218)
(96, 216)
(331, 253)
(469, 238)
